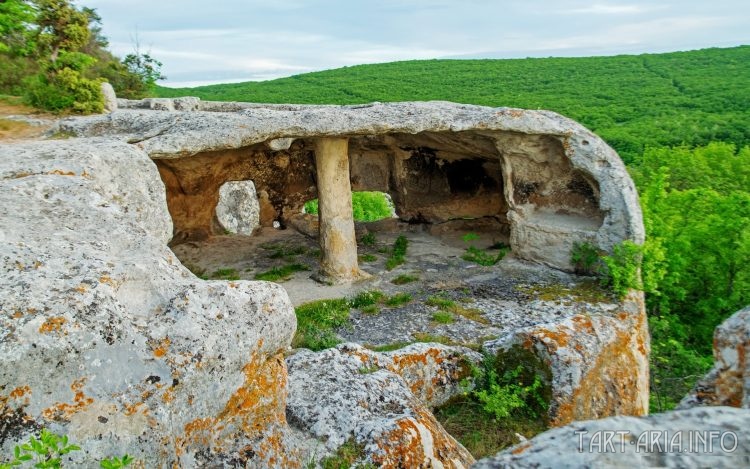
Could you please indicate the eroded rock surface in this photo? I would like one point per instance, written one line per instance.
(703, 437)
(728, 383)
(238, 211)
(105, 336)
(547, 180)
(350, 393)
(596, 364)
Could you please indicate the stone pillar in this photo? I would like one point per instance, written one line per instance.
(337, 240)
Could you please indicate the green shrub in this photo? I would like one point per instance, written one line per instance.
(62, 86)
(366, 206)
(46, 452)
(515, 392)
(622, 268)
(586, 258)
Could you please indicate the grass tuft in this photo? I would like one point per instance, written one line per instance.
(398, 299)
(317, 321)
(280, 273)
(404, 279)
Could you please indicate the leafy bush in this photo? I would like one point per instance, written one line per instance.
(46, 452)
(622, 268)
(61, 86)
(366, 206)
(515, 392)
(586, 258)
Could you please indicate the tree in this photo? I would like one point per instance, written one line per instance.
(16, 18)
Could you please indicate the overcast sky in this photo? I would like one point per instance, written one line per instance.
(203, 42)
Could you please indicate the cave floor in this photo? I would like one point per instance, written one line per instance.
(452, 300)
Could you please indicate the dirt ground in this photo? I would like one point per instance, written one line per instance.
(485, 301)
(19, 122)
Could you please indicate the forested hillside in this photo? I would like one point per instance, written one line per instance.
(681, 121)
(631, 100)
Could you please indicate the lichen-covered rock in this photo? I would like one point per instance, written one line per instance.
(549, 180)
(106, 337)
(342, 394)
(696, 438)
(594, 365)
(238, 210)
(728, 383)
(432, 371)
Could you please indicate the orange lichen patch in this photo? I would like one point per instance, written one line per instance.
(17, 315)
(609, 387)
(168, 396)
(53, 324)
(82, 288)
(553, 339)
(521, 448)
(251, 413)
(107, 279)
(60, 172)
(19, 392)
(161, 349)
(131, 409)
(405, 445)
(63, 410)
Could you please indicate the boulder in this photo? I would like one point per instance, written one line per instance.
(728, 383)
(238, 210)
(593, 365)
(347, 393)
(107, 338)
(110, 99)
(708, 437)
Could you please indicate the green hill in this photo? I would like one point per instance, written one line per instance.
(632, 101)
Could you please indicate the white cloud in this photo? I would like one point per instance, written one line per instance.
(612, 9)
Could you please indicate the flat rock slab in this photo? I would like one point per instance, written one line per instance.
(696, 438)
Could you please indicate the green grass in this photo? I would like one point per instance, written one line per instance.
(443, 317)
(485, 258)
(366, 206)
(398, 299)
(317, 321)
(367, 298)
(368, 239)
(280, 273)
(398, 253)
(449, 306)
(404, 279)
(225, 274)
(389, 347)
(368, 258)
(285, 252)
(633, 101)
(466, 420)
(345, 457)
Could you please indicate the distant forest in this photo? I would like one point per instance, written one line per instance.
(680, 121)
